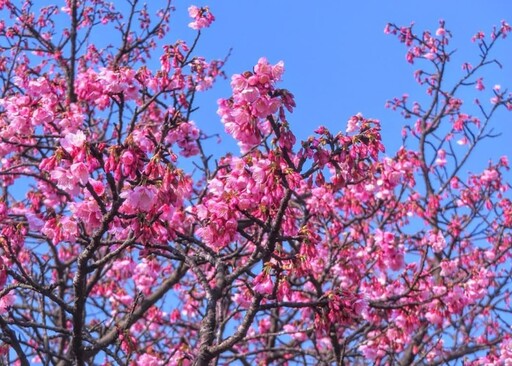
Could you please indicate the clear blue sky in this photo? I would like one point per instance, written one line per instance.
(338, 60)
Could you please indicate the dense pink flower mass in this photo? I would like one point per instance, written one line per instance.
(124, 241)
(254, 99)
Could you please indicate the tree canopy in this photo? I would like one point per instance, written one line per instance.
(125, 241)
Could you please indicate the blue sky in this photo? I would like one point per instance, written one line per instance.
(338, 60)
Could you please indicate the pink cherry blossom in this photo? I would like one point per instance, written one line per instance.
(148, 360)
(146, 275)
(6, 301)
(141, 198)
(202, 17)
(263, 284)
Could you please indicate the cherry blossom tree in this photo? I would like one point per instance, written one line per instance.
(115, 250)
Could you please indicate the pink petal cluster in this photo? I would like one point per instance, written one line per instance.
(6, 301)
(254, 99)
(185, 137)
(203, 18)
(70, 179)
(146, 275)
(140, 198)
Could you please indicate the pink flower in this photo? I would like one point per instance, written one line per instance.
(3, 277)
(238, 83)
(98, 186)
(69, 179)
(263, 107)
(65, 181)
(479, 84)
(80, 173)
(263, 284)
(34, 222)
(141, 198)
(42, 116)
(448, 268)
(69, 229)
(441, 158)
(129, 162)
(463, 141)
(6, 301)
(146, 275)
(292, 329)
(489, 176)
(148, 360)
(477, 36)
(250, 94)
(354, 123)
(263, 67)
(392, 251)
(261, 170)
(278, 70)
(88, 212)
(73, 140)
(437, 241)
(202, 17)
(454, 183)
(122, 269)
